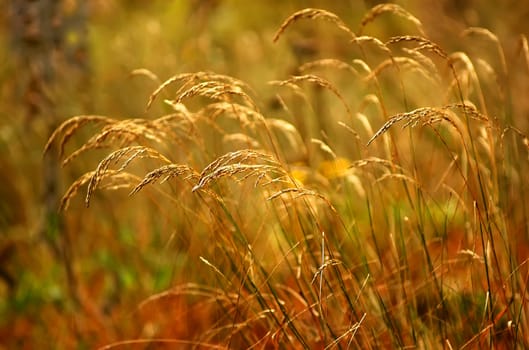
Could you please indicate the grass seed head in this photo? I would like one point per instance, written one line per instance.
(378, 10)
(312, 14)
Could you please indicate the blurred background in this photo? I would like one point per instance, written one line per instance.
(74, 279)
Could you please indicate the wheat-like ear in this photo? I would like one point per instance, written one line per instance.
(311, 13)
(406, 62)
(173, 79)
(73, 189)
(426, 115)
(145, 73)
(216, 90)
(377, 10)
(245, 162)
(130, 153)
(362, 64)
(369, 39)
(174, 126)
(318, 81)
(423, 44)
(117, 180)
(190, 79)
(328, 62)
(426, 62)
(67, 129)
(165, 173)
(298, 192)
(121, 133)
(432, 115)
(380, 162)
(469, 110)
(244, 115)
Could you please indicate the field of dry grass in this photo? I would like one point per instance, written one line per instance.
(235, 176)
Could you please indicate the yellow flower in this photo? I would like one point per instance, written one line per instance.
(335, 168)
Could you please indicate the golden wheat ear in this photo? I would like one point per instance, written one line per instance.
(311, 13)
(245, 163)
(164, 173)
(67, 129)
(209, 84)
(329, 62)
(380, 9)
(126, 155)
(293, 81)
(113, 179)
(431, 115)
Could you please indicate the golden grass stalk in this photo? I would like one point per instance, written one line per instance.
(422, 44)
(190, 79)
(315, 80)
(374, 161)
(378, 10)
(294, 147)
(312, 14)
(68, 128)
(120, 133)
(432, 115)
(217, 91)
(145, 73)
(325, 148)
(164, 173)
(425, 115)
(370, 39)
(116, 180)
(469, 68)
(350, 129)
(494, 39)
(524, 48)
(130, 153)
(239, 163)
(328, 62)
(407, 63)
(298, 192)
(426, 62)
(350, 333)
